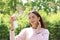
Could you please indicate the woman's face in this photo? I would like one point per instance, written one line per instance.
(34, 20)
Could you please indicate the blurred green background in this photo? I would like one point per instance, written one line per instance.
(48, 9)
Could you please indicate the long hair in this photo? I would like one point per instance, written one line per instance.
(38, 15)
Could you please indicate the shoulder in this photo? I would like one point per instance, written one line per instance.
(45, 31)
(25, 29)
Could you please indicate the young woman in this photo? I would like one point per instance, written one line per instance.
(37, 31)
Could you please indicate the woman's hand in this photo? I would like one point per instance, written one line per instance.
(12, 19)
(39, 25)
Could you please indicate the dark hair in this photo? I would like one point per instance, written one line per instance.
(38, 15)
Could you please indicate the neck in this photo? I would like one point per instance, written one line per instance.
(37, 30)
(34, 27)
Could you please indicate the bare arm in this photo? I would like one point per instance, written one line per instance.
(21, 35)
(12, 35)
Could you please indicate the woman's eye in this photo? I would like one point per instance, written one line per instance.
(33, 17)
(29, 18)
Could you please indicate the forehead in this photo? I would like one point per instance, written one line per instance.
(32, 14)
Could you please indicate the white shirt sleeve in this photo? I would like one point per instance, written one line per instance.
(12, 35)
(21, 35)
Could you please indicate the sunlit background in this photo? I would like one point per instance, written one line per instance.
(48, 9)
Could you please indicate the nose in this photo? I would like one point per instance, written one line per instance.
(31, 20)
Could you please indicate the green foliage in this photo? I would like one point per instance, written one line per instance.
(4, 32)
(47, 5)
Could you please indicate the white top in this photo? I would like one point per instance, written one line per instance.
(31, 34)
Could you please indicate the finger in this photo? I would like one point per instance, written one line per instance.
(39, 24)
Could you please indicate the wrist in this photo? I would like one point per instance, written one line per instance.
(12, 29)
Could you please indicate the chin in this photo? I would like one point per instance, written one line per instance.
(34, 27)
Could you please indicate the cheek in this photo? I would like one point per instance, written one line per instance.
(33, 20)
(30, 21)
(36, 20)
